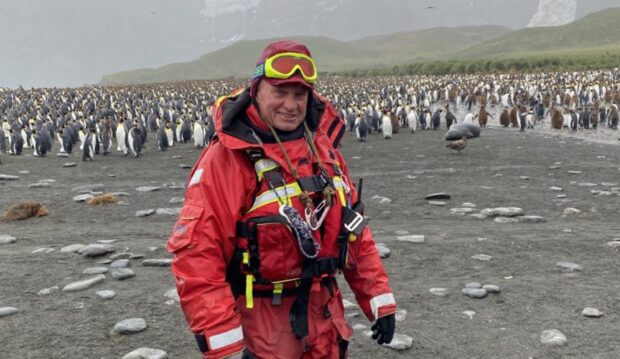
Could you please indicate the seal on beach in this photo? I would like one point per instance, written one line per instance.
(457, 131)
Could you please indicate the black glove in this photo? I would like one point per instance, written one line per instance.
(383, 329)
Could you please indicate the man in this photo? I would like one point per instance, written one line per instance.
(270, 217)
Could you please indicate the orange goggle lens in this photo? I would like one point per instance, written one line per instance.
(284, 65)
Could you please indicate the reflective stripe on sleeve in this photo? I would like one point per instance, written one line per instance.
(224, 339)
(380, 301)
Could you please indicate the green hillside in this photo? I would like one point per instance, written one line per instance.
(597, 31)
(331, 55)
(431, 44)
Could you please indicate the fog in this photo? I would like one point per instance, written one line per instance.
(68, 43)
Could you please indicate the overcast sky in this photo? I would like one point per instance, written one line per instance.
(58, 43)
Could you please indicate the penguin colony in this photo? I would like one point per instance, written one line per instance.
(104, 121)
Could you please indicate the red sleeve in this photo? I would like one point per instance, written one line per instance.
(367, 277)
(203, 242)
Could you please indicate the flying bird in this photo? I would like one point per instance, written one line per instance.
(153, 12)
(430, 7)
(458, 145)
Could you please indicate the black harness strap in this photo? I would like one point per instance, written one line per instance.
(298, 317)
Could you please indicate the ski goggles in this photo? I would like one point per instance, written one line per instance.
(283, 65)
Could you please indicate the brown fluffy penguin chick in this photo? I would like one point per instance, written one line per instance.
(102, 199)
(25, 210)
(458, 145)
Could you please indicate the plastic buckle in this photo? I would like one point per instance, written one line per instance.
(356, 221)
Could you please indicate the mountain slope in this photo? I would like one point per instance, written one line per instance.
(598, 30)
(238, 60)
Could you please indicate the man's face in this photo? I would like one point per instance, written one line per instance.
(283, 107)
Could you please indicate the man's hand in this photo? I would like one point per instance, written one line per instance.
(383, 329)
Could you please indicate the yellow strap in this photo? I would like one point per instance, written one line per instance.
(249, 280)
(277, 288)
(268, 197)
(249, 298)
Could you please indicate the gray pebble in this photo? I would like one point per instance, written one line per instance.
(95, 270)
(437, 203)
(146, 353)
(177, 157)
(89, 188)
(168, 211)
(44, 250)
(468, 205)
(502, 211)
(556, 189)
(8, 177)
(440, 292)
(82, 197)
(570, 266)
(482, 257)
(72, 248)
(384, 251)
(474, 292)
(38, 185)
(469, 313)
(120, 263)
(478, 216)
(184, 166)
(69, 164)
(492, 288)
(473, 285)
(6, 239)
(121, 255)
(400, 315)
(531, 219)
(380, 199)
(163, 262)
(48, 291)
(172, 294)
(96, 250)
(145, 212)
(591, 312)
(461, 210)
(412, 238)
(148, 188)
(552, 337)
(129, 326)
(505, 220)
(106, 294)
(6, 311)
(122, 273)
(400, 342)
(83, 284)
(176, 200)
